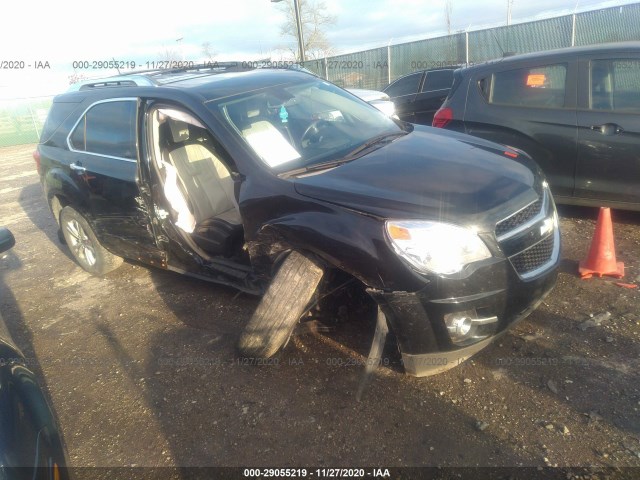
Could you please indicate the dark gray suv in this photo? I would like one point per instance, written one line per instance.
(576, 111)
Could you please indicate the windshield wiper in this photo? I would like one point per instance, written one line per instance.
(377, 140)
(352, 155)
(316, 167)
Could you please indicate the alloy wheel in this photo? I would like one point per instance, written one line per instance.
(81, 243)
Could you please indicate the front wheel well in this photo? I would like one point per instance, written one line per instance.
(341, 296)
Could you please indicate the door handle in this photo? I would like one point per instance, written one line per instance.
(608, 129)
(78, 168)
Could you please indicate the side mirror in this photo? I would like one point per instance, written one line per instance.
(7, 240)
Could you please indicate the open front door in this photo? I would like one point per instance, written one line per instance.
(192, 191)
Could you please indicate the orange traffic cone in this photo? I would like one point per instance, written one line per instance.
(602, 254)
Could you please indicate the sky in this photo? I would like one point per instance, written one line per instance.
(59, 33)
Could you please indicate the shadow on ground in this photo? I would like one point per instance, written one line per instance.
(33, 203)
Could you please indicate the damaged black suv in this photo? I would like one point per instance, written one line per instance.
(278, 183)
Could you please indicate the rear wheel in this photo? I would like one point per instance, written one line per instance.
(285, 301)
(84, 245)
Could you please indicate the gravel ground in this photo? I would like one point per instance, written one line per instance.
(141, 368)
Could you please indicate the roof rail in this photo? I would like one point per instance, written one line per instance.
(150, 77)
(111, 83)
(116, 81)
(188, 67)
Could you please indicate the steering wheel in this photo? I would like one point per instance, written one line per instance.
(313, 133)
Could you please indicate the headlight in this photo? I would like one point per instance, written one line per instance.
(436, 247)
(385, 106)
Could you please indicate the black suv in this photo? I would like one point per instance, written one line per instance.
(279, 183)
(418, 95)
(576, 111)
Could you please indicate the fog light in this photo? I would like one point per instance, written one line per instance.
(459, 327)
(466, 327)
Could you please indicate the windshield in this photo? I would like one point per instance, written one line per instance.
(294, 126)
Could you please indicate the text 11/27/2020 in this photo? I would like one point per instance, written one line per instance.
(316, 473)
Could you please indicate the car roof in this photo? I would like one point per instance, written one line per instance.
(206, 84)
(614, 47)
(162, 76)
(434, 69)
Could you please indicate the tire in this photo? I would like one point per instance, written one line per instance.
(285, 301)
(84, 245)
(61, 239)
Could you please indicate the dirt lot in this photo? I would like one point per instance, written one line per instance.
(141, 368)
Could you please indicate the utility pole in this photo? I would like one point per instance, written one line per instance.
(509, 9)
(180, 51)
(296, 7)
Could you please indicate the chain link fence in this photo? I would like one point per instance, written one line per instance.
(21, 120)
(378, 67)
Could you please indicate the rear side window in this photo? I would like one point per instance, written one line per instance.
(57, 114)
(535, 87)
(438, 80)
(404, 86)
(615, 85)
(107, 128)
(457, 81)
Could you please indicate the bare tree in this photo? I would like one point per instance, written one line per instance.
(169, 55)
(448, 7)
(314, 19)
(76, 77)
(208, 52)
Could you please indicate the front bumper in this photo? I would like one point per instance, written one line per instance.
(454, 317)
(495, 292)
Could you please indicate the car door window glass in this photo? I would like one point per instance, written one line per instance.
(484, 85)
(537, 87)
(615, 85)
(108, 129)
(78, 137)
(438, 80)
(404, 86)
(58, 113)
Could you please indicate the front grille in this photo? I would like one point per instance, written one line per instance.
(520, 237)
(519, 218)
(534, 257)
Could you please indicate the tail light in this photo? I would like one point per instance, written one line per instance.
(36, 157)
(442, 117)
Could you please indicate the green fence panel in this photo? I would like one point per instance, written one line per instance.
(316, 66)
(432, 53)
(520, 38)
(21, 120)
(374, 68)
(368, 69)
(615, 24)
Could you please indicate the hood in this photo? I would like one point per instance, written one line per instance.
(380, 100)
(427, 174)
(368, 95)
